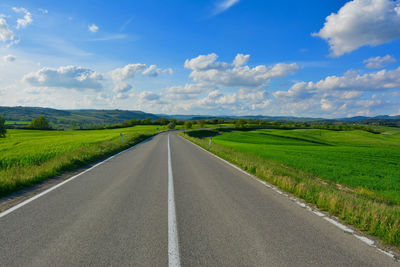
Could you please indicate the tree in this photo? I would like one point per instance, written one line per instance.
(201, 123)
(171, 125)
(240, 123)
(146, 121)
(40, 123)
(3, 129)
(188, 125)
(163, 121)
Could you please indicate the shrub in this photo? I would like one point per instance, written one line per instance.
(40, 123)
(188, 125)
(3, 129)
(171, 125)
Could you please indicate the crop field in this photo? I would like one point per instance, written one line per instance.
(29, 156)
(356, 159)
(353, 175)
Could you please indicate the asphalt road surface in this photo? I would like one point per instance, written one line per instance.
(168, 202)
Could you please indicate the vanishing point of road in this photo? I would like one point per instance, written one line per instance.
(166, 202)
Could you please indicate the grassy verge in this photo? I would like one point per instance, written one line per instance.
(354, 207)
(28, 157)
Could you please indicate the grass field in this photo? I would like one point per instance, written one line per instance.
(29, 156)
(17, 122)
(354, 175)
(356, 159)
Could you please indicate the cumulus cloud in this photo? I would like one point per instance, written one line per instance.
(223, 5)
(69, 77)
(93, 28)
(154, 71)
(120, 75)
(378, 62)
(359, 23)
(127, 72)
(186, 92)
(336, 96)
(240, 60)
(27, 19)
(206, 70)
(5, 33)
(122, 87)
(9, 58)
(205, 62)
(349, 86)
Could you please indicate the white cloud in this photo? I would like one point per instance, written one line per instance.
(27, 19)
(93, 28)
(43, 11)
(206, 70)
(153, 71)
(5, 33)
(216, 97)
(120, 75)
(361, 22)
(127, 72)
(378, 62)
(223, 5)
(336, 96)
(348, 85)
(240, 60)
(122, 87)
(205, 62)
(68, 77)
(189, 91)
(9, 58)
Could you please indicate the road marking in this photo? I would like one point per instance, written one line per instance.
(339, 225)
(365, 240)
(23, 203)
(173, 243)
(315, 211)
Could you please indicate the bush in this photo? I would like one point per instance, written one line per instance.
(188, 125)
(40, 123)
(171, 125)
(201, 123)
(3, 129)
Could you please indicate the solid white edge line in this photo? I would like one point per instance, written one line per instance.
(313, 210)
(173, 243)
(23, 203)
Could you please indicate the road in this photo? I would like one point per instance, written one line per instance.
(168, 202)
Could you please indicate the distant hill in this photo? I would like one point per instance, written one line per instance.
(81, 117)
(69, 117)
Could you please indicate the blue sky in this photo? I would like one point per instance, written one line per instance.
(216, 57)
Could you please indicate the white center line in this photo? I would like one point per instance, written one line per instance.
(173, 244)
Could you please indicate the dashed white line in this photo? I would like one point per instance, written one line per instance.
(173, 243)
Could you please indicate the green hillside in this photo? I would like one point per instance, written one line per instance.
(68, 117)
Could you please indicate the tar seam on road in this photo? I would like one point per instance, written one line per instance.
(173, 243)
(23, 203)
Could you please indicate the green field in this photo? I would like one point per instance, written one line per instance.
(356, 159)
(17, 122)
(353, 175)
(29, 156)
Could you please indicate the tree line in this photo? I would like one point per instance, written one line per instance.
(41, 123)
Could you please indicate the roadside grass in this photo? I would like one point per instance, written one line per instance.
(352, 175)
(30, 156)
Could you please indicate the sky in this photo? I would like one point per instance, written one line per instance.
(311, 58)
